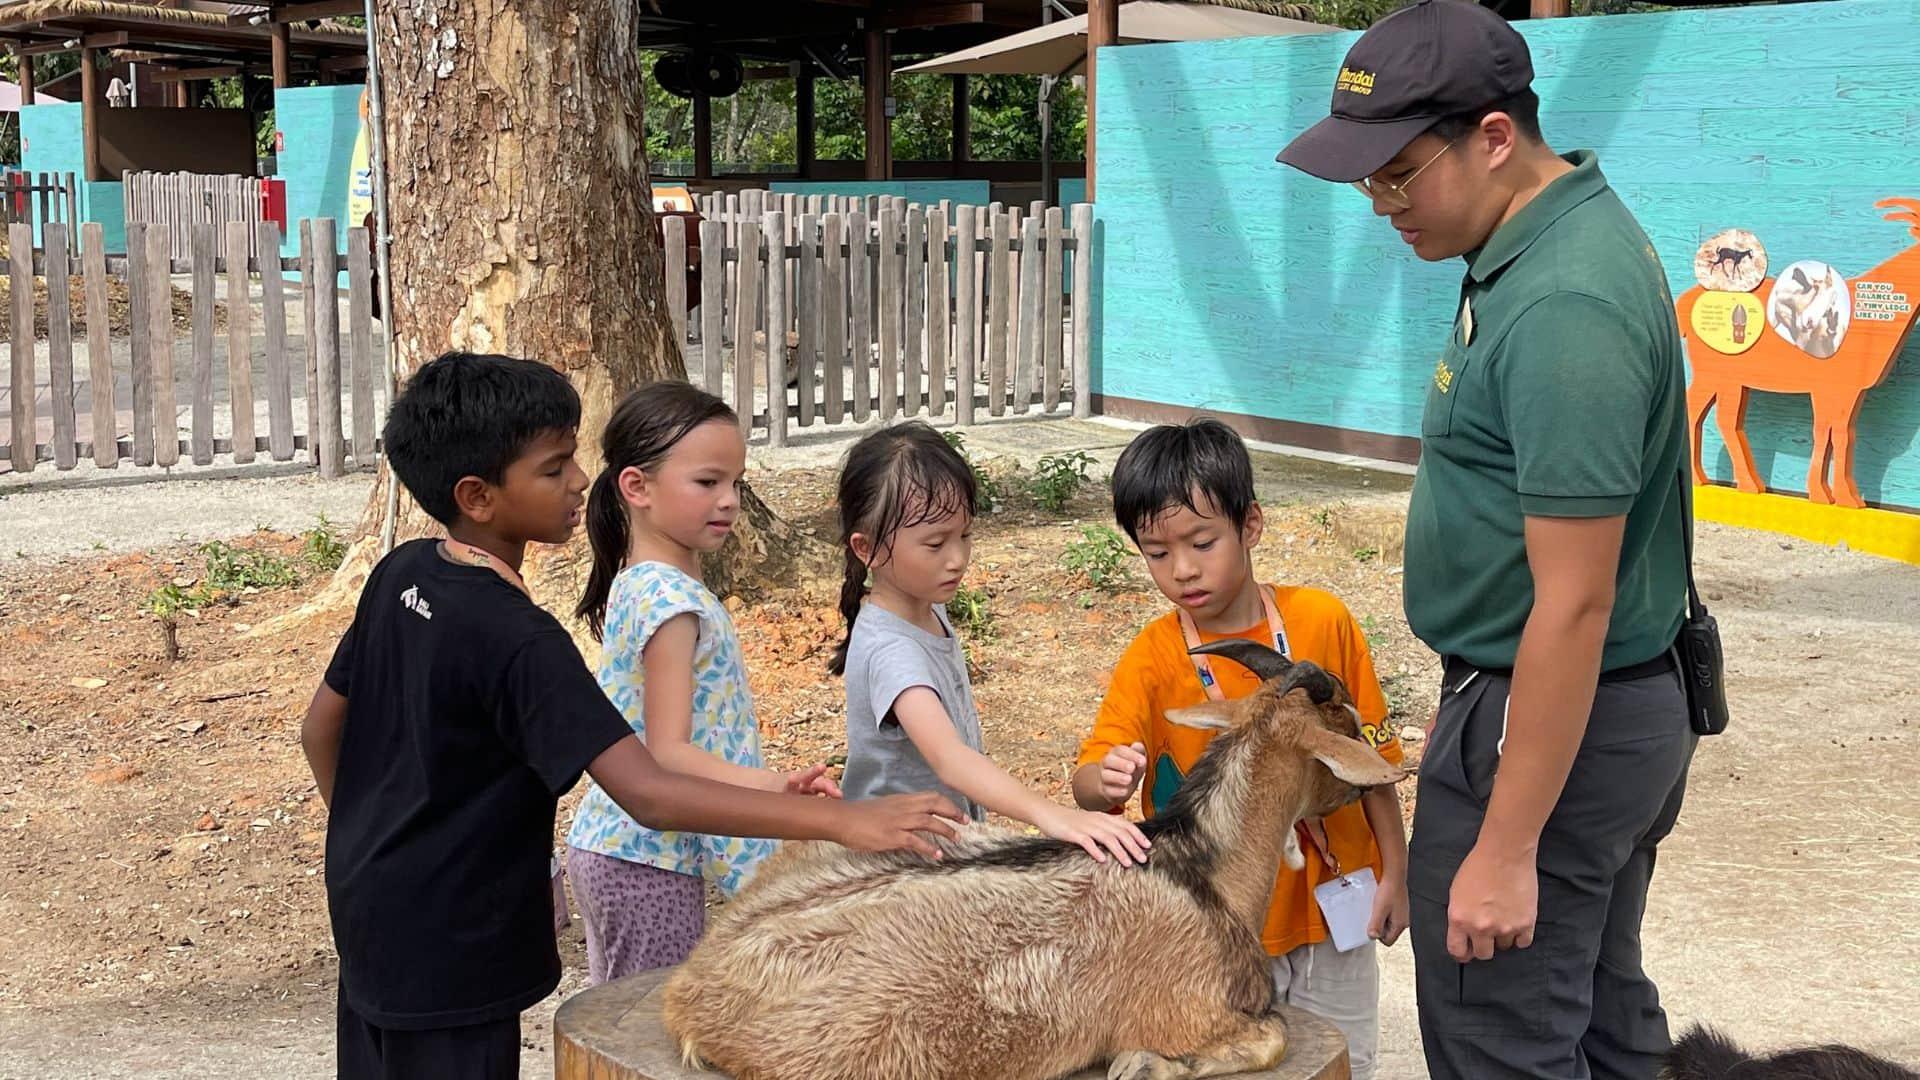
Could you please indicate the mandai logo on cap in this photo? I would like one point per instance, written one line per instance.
(1354, 82)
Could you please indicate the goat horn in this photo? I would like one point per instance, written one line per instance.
(1263, 660)
(1312, 678)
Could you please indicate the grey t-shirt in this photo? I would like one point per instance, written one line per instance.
(887, 657)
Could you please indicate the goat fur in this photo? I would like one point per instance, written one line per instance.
(1020, 958)
(1706, 1054)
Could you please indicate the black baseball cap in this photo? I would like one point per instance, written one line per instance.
(1412, 69)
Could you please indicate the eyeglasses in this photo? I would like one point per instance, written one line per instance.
(1395, 195)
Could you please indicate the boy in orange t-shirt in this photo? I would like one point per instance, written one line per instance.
(1185, 495)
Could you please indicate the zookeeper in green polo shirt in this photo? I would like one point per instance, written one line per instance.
(1544, 555)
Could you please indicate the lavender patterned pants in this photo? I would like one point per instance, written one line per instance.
(638, 917)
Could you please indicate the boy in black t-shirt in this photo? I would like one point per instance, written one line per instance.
(455, 714)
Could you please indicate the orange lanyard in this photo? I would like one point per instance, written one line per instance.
(1312, 830)
(473, 556)
(1205, 670)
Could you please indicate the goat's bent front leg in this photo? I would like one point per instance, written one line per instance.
(1255, 1044)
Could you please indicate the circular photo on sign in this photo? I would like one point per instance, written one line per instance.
(1732, 261)
(1727, 322)
(1811, 306)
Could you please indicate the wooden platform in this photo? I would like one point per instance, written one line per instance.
(613, 1032)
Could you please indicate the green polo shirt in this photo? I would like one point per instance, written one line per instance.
(1560, 393)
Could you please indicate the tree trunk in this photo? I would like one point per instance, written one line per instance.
(522, 224)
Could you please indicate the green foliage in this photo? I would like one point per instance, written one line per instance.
(987, 493)
(1058, 477)
(1101, 556)
(322, 547)
(969, 612)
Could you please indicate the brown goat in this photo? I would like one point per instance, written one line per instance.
(1019, 958)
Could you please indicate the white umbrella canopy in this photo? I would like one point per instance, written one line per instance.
(1060, 48)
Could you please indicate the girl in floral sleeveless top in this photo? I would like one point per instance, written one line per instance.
(672, 664)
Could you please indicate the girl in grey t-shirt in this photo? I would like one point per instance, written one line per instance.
(906, 518)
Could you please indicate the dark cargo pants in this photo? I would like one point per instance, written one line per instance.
(1576, 1004)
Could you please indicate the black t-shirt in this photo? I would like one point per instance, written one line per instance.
(469, 713)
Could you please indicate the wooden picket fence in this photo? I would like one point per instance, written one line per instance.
(29, 198)
(146, 273)
(857, 307)
(182, 201)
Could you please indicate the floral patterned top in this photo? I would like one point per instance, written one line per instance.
(644, 596)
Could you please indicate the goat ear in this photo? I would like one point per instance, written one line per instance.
(1212, 716)
(1349, 759)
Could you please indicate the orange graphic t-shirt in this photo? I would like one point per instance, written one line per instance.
(1156, 675)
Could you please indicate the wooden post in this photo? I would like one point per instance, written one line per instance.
(273, 312)
(939, 295)
(360, 337)
(24, 64)
(89, 116)
(1082, 311)
(713, 304)
(892, 310)
(325, 334)
(916, 314)
(966, 311)
(778, 316)
(1051, 283)
(66, 451)
(833, 315)
(702, 137)
(1103, 29)
(673, 238)
(999, 285)
(1551, 9)
(807, 308)
(140, 348)
(159, 284)
(201, 240)
(240, 344)
(20, 239)
(282, 56)
(879, 75)
(1028, 358)
(746, 311)
(962, 123)
(93, 255)
(803, 136)
(860, 296)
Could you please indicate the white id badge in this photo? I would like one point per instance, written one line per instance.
(1347, 904)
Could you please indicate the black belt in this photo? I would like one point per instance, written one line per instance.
(1458, 670)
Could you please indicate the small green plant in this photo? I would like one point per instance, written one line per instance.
(322, 547)
(1058, 477)
(1100, 555)
(1366, 554)
(986, 489)
(1370, 626)
(969, 612)
(232, 569)
(1323, 517)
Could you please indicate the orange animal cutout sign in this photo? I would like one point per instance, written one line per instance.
(1807, 331)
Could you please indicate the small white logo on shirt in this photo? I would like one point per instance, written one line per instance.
(412, 601)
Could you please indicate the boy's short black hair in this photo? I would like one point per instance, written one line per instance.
(1163, 467)
(1523, 108)
(465, 414)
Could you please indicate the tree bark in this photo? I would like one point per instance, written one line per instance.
(522, 223)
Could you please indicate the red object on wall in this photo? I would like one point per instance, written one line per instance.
(273, 202)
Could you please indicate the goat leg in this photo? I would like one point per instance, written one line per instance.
(1254, 1045)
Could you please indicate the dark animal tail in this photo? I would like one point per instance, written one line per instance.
(1703, 1054)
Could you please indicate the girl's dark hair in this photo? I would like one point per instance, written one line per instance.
(894, 478)
(644, 428)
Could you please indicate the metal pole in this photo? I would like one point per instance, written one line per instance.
(377, 161)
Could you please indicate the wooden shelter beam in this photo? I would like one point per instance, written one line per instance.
(702, 137)
(1103, 29)
(962, 122)
(221, 71)
(919, 15)
(24, 63)
(282, 57)
(319, 9)
(89, 115)
(803, 104)
(878, 76)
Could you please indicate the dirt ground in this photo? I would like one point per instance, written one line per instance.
(161, 912)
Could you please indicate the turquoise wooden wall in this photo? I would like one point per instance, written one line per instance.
(319, 125)
(1233, 283)
(51, 134)
(925, 192)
